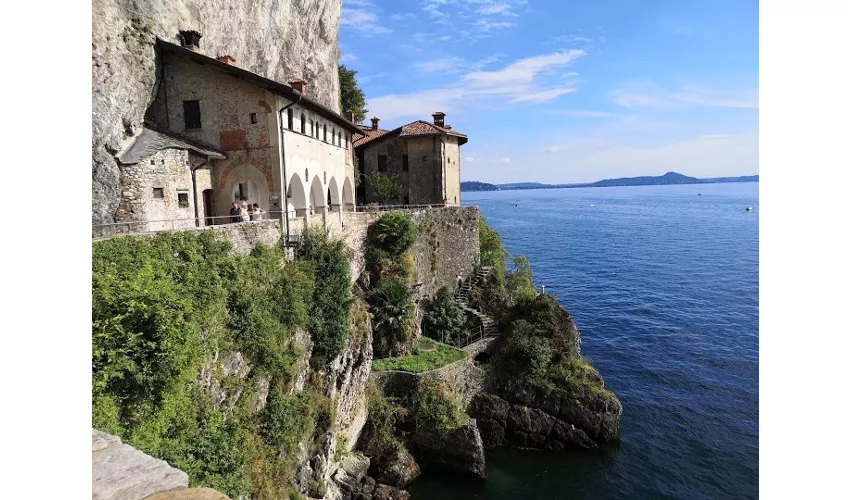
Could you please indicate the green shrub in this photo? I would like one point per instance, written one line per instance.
(329, 315)
(437, 404)
(444, 320)
(392, 310)
(421, 360)
(161, 307)
(519, 282)
(393, 233)
(524, 352)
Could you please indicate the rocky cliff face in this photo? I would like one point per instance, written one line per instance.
(280, 39)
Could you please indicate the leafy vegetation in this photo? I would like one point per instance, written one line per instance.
(489, 295)
(162, 306)
(444, 320)
(519, 282)
(329, 323)
(385, 187)
(351, 98)
(391, 272)
(426, 356)
(393, 315)
(437, 405)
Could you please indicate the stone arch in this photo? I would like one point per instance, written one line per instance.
(246, 183)
(333, 196)
(347, 195)
(317, 196)
(296, 196)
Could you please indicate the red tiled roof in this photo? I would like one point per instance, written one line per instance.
(419, 127)
(368, 135)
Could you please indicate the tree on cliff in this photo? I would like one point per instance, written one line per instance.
(351, 98)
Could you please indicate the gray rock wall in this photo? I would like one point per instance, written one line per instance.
(447, 246)
(280, 39)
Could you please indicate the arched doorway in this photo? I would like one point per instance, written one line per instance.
(333, 196)
(347, 195)
(245, 183)
(317, 196)
(296, 197)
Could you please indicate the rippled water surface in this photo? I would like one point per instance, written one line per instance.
(662, 281)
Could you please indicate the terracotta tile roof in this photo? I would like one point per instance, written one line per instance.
(368, 135)
(419, 127)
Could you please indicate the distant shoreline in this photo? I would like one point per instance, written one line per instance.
(668, 179)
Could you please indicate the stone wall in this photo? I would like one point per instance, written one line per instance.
(169, 171)
(283, 40)
(447, 246)
(463, 375)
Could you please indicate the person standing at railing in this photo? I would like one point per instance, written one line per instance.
(258, 212)
(246, 216)
(235, 215)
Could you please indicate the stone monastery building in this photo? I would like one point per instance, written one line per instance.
(424, 156)
(217, 133)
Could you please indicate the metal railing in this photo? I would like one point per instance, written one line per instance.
(164, 225)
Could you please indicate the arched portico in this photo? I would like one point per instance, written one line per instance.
(296, 197)
(317, 196)
(245, 183)
(348, 195)
(333, 196)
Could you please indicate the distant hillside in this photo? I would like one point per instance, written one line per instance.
(478, 186)
(658, 180)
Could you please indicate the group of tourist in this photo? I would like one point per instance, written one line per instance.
(246, 212)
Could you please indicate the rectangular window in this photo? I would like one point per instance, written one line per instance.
(289, 116)
(404, 164)
(424, 158)
(158, 193)
(192, 114)
(183, 200)
(382, 163)
(253, 117)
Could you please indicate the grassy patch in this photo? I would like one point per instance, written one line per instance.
(421, 360)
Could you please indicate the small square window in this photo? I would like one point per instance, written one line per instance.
(153, 162)
(183, 200)
(253, 117)
(424, 158)
(158, 193)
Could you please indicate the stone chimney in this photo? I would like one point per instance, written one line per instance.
(227, 59)
(375, 121)
(299, 85)
(190, 39)
(349, 115)
(439, 119)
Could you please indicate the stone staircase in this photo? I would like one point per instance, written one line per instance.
(488, 326)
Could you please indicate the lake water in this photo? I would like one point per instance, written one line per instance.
(663, 283)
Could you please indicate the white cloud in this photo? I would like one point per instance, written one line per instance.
(347, 57)
(521, 81)
(652, 95)
(496, 8)
(363, 18)
(543, 95)
(445, 64)
(470, 158)
(505, 161)
(583, 113)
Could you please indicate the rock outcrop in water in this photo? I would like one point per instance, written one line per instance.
(280, 39)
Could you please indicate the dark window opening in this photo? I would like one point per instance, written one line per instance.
(183, 200)
(311, 129)
(303, 124)
(153, 162)
(192, 114)
(382, 163)
(325, 128)
(290, 115)
(424, 158)
(158, 193)
(339, 138)
(253, 117)
(404, 163)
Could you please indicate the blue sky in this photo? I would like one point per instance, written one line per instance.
(564, 91)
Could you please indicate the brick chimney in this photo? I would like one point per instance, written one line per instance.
(190, 39)
(375, 121)
(439, 119)
(299, 85)
(349, 115)
(227, 59)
